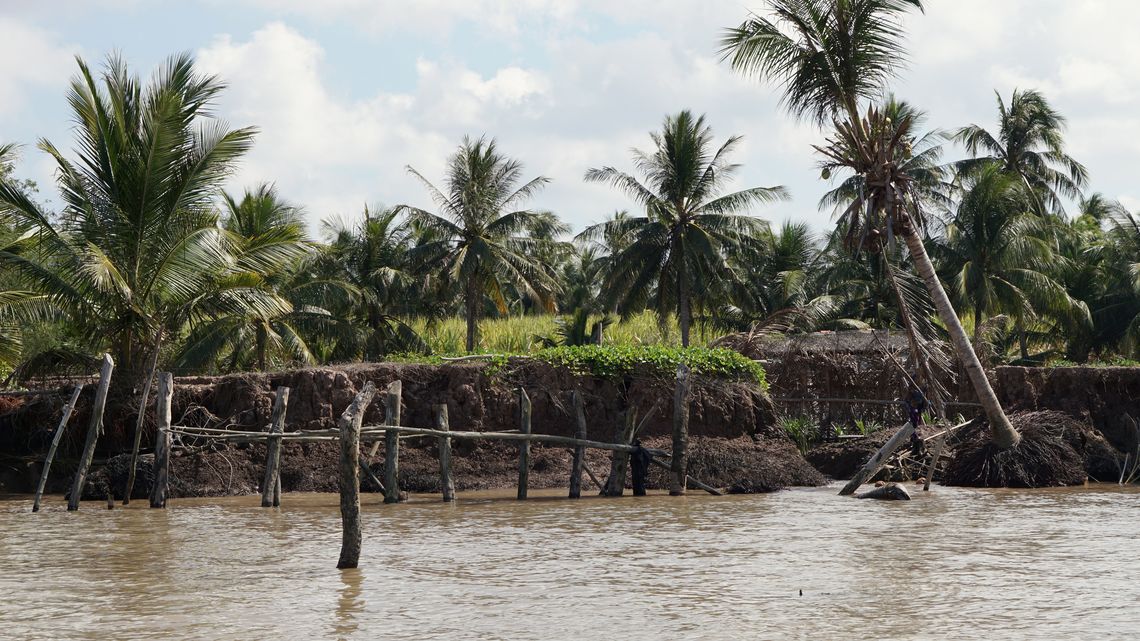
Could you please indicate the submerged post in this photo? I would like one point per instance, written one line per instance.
(392, 443)
(270, 487)
(143, 400)
(446, 484)
(162, 440)
(933, 462)
(94, 429)
(579, 450)
(524, 446)
(54, 446)
(349, 481)
(679, 465)
(868, 470)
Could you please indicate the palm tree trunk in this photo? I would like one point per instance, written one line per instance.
(261, 339)
(977, 328)
(1001, 431)
(1023, 339)
(471, 327)
(684, 311)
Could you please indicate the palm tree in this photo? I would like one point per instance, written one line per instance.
(690, 226)
(828, 56)
(481, 241)
(267, 236)
(997, 255)
(1029, 144)
(136, 248)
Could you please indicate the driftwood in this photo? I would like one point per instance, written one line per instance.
(144, 399)
(870, 467)
(446, 484)
(392, 443)
(270, 494)
(162, 440)
(579, 449)
(54, 446)
(524, 446)
(94, 429)
(349, 480)
(679, 465)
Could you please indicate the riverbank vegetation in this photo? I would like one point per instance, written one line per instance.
(147, 258)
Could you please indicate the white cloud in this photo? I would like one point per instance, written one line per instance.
(31, 59)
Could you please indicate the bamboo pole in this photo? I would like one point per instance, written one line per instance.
(392, 443)
(868, 470)
(67, 409)
(94, 429)
(161, 466)
(143, 400)
(349, 481)
(270, 487)
(446, 484)
(933, 463)
(679, 464)
(524, 446)
(579, 450)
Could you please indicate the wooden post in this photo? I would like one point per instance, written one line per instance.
(270, 487)
(880, 457)
(446, 484)
(524, 446)
(143, 400)
(110, 499)
(690, 480)
(94, 429)
(392, 443)
(162, 440)
(579, 450)
(679, 465)
(349, 480)
(615, 484)
(933, 462)
(54, 446)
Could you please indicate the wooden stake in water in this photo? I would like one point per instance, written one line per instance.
(868, 470)
(933, 462)
(679, 465)
(162, 441)
(94, 429)
(524, 446)
(446, 484)
(270, 487)
(349, 480)
(392, 443)
(54, 446)
(579, 450)
(143, 400)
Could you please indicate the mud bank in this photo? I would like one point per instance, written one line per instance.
(735, 442)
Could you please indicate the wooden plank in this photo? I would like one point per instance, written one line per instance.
(579, 450)
(270, 495)
(446, 483)
(94, 429)
(67, 409)
(392, 443)
(349, 478)
(524, 446)
(677, 483)
(161, 467)
(868, 470)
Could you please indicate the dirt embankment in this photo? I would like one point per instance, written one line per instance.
(735, 442)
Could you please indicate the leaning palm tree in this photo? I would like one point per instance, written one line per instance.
(481, 240)
(829, 56)
(136, 248)
(690, 226)
(1029, 144)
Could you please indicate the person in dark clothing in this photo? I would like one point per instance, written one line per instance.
(639, 464)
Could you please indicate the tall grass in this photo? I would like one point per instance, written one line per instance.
(519, 334)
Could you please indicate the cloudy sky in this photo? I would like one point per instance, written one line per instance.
(348, 92)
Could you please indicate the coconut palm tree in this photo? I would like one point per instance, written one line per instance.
(690, 226)
(481, 240)
(997, 255)
(136, 248)
(829, 56)
(1030, 144)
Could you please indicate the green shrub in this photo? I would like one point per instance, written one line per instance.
(802, 430)
(618, 360)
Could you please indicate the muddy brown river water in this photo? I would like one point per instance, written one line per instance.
(951, 564)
